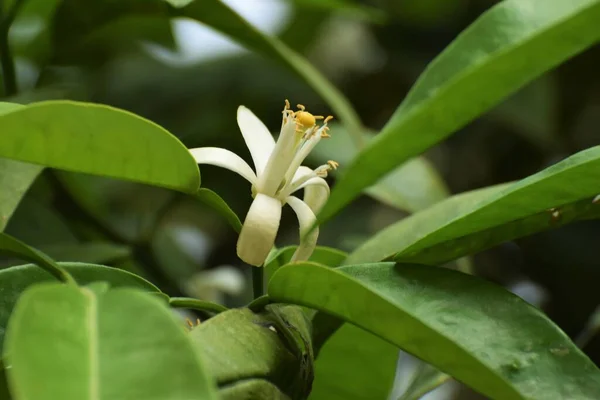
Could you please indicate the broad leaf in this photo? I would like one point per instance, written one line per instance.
(14, 281)
(475, 221)
(215, 201)
(323, 255)
(99, 140)
(508, 46)
(65, 342)
(219, 16)
(477, 332)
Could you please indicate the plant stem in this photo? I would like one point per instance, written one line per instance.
(257, 281)
(7, 64)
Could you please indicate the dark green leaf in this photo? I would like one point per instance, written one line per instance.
(506, 47)
(477, 332)
(65, 342)
(478, 220)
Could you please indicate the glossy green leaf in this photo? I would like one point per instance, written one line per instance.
(13, 247)
(479, 333)
(506, 47)
(14, 281)
(100, 140)
(354, 364)
(219, 16)
(65, 342)
(478, 220)
(15, 178)
(412, 187)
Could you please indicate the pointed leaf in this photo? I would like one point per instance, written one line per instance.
(476, 331)
(506, 47)
(65, 342)
(475, 221)
(100, 140)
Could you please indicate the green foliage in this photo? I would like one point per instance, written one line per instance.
(508, 46)
(81, 344)
(502, 346)
(84, 181)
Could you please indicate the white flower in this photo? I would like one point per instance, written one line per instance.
(278, 174)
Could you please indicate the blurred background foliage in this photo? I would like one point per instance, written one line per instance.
(186, 77)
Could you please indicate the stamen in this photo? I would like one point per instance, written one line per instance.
(333, 164)
(318, 116)
(329, 118)
(301, 107)
(287, 105)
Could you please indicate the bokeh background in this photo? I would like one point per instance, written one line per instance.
(190, 79)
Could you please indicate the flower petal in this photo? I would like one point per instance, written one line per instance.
(308, 237)
(259, 230)
(316, 193)
(258, 139)
(225, 159)
(316, 190)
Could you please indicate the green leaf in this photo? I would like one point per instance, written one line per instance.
(427, 379)
(323, 255)
(412, 187)
(65, 342)
(354, 364)
(100, 140)
(244, 345)
(14, 281)
(478, 220)
(15, 178)
(476, 331)
(506, 47)
(13, 247)
(219, 16)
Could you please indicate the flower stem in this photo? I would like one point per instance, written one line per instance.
(257, 281)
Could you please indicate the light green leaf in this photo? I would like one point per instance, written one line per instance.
(14, 281)
(354, 364)
(219, 16)
(475, 221)
(506, 47)
(412, 187)
(15, 178)
(65, 342)
(100, 140)
(481, 334)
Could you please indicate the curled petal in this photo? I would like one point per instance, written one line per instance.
(316, 193)
(258, 139)
(258, 233)
(224, 159)
(308, 237)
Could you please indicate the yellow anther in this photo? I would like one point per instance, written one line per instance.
(287, 104)
(325, 135)
(318, 116)
(305, 119)
(329, 118)
(301, 107)
(333, 164)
